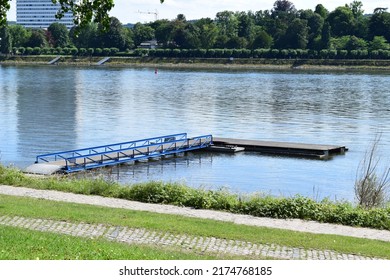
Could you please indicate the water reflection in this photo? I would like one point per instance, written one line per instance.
(46, 109)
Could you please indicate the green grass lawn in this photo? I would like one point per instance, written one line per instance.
(23, 244)
(88, 249)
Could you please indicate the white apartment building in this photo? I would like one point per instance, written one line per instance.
(40, 14)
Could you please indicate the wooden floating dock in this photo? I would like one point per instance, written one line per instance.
(159, 147)
(283, 148)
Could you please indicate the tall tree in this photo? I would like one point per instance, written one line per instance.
(19, 35)
(37, 39)
(142, 33)
(296, 36)
(227, 24)
(208, 32)
(315, 23)
(85, 37)
(284, 6)
(5, 40)
(379, 25)
(84, 11)
(59, 34)
(262, 39)
(114, 37)
(246, 25)
(325, 36)
(341, 21)
(322, 11)
(163, 32)
(4, 8)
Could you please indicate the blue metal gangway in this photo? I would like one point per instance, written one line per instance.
(113, 154)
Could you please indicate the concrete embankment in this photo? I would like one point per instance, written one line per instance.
(205, 63)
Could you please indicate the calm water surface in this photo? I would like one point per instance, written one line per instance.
(48, 109)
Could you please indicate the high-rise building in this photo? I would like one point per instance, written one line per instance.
(40, 14)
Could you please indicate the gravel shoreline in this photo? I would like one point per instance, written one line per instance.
(289, 224)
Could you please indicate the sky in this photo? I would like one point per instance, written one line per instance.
(133, 11)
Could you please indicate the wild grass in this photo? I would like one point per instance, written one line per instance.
(296, 207)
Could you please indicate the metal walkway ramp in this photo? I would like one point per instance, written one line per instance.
(102, 61)
(113, 154)
(53, 61)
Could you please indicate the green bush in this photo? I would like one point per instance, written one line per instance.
(176, 52)
(114, 51)
(82, 51)
(106, 51)
(284, 53)
(98, 51)
(274, 53)
(342, 54)
(21, 50)
(58, 50)
(29, 50)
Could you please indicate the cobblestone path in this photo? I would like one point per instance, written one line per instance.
(215, 246)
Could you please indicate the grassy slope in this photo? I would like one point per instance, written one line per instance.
(37, 208)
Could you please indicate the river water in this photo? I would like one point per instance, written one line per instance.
(52, 108)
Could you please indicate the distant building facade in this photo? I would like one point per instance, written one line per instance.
(152, 44)
(40, 14)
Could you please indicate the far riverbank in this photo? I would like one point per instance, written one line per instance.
(206, 63)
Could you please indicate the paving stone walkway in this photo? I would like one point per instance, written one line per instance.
(215, 246)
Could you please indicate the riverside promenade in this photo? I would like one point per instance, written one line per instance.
(214, 246)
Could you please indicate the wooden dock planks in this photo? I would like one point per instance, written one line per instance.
(283, 148)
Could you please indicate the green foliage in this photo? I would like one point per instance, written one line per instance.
(283, 28)
(259, 205)
(98, 51)
(23, 244)
(58, 34)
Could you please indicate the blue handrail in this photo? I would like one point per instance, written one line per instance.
(99, 156)
(65, 154)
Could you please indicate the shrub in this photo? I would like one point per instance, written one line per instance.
(261, 53)
(219, 53)
(82, 51)
(58, 50)
(274, 53)
(342, 54)
(211, 53)
(114, 51)
(21, 50)
(176, 52)
(374, 54)
(46, 51)
(227, 52)
(332, 53)
(73, 51)
(29, 50)
(384, 54)
(201, 52)
(98, 51)
(324, 53)
(106, 51)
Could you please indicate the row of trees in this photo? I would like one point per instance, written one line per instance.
(283, 27)
(210, 53)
